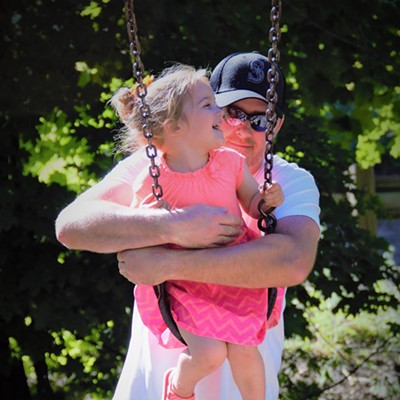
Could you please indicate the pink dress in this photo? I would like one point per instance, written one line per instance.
(230, 314)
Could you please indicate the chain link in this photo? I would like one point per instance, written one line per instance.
(141, 92)
(267, 221)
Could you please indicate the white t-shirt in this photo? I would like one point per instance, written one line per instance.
(146, 361)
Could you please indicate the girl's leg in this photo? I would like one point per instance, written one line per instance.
(203, 356)
(248, 371)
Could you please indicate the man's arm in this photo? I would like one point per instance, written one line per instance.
(284, 258)
(101, 220)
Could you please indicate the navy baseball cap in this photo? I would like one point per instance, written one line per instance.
(244, 75)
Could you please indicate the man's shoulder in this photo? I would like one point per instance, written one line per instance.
(300, 190)
(281, 163)
(130, 167)
(138, 157)
(136, 161)
(282, 166)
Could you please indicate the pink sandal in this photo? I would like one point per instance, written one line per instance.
(168, 393)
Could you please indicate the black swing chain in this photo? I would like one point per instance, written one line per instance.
(141, 92)
(267, 221)
(151, 150)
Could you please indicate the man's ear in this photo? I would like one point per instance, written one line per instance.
(278, 125)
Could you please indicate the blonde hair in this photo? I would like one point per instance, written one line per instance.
(165, 98)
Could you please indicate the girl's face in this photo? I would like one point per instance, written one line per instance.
(202, 119)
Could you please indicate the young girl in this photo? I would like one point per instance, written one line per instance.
(217, 322)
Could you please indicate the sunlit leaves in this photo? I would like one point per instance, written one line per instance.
(85, 73)
(58, 155)
(381, 131)
(93, 10)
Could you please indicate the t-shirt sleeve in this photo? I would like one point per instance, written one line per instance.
(129, 168)
(300, 191)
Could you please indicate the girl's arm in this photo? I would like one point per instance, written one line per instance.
(250, 194)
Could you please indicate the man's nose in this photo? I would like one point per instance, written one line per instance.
(244, 130)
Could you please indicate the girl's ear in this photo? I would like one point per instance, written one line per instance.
(172, 127)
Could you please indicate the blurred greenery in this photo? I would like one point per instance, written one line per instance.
(345, 357)
(65, 315)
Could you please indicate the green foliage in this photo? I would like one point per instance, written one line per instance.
(57, 156)
(350, 260)
(64, 316)
(345, 356)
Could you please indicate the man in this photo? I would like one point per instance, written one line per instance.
(101, 220)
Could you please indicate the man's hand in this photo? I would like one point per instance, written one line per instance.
(144, 266)
(197, 226)
(201, 226)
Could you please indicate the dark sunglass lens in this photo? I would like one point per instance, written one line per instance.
(236, 113)
(259, 122)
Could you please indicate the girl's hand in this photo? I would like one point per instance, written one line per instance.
(151, 202)
(273, 195)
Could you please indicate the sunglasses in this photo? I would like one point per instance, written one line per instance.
(235, 117)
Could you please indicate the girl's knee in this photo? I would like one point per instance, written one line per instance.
(211, 356)
(206, 353)
(243, 352)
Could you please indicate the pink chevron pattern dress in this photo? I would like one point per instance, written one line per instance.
(231, 314)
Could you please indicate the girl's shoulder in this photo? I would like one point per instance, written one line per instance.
(226, 153)
(227, 162)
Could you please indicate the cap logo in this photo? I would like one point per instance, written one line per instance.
(256, 74)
